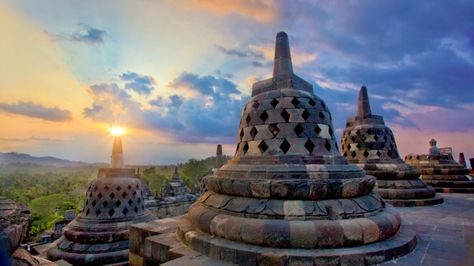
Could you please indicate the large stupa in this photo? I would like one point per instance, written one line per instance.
(370, 144)
(288, 197)
(441, 171)
(99, 234)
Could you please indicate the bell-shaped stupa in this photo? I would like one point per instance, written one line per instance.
(441, 171)
(287, 196)
(99, 234)
(370, 144)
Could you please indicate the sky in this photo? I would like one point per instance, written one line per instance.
(177, 73)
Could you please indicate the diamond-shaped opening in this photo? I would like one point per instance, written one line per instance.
(305, 115)
(348, 146)
(87, 202)
(124, 194)
(295, 102)
(134, 193)
(119, 188)
(358, 132)
(105, 203)
(248, 119)
(369, 131)
(327, 145)
(358, 146)
(353, 138)
(274, 129)
(253, 132)
(345, 154)
(312, 102)
(285, 146)
(137, 186)
(118, 203)
(88, 211)
(264, 116)
(112, 195)
(391, 146)
(106, 187)
(353, 154)
(95, 188)
(376, 137)
(299, 129)
(125, 211)
(143, 207)
(321, 115)
(255, 105)
(323, 104)
(97, 213)
(99, 195)
(262, 146)
(94, 203)
(285, 115)
(274, 103)
(130, 201)
(385, 138)
(246, 147)
(330, 131)
(389, 153)
(382, 145)
(135, 209)
(111, 212)
(241, 133)
(129, 187)
(366, 154)
(378, 153)
(309, 145)
(139, 200)
(317, 129)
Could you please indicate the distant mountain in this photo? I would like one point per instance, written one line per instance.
(23, 158)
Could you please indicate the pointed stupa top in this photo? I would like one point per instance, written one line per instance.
(363, 103)
(117, 153)
(283, 76)
(462, 160)
(176, 176)
(219, 156)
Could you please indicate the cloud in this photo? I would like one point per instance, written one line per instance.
(139, 83)
(35, 110)
(259, 10)
(89, 35)
(210, 114)
(242, 53)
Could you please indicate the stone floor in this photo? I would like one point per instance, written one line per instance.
(445, 232)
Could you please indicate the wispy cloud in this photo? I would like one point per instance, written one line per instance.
(35, 110)
(141, 84)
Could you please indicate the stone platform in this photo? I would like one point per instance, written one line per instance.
(445, 236)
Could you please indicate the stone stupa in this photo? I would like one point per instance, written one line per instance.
(441, 171)
(175, 187)
(99, 234)
(370, 144)
(288, 197)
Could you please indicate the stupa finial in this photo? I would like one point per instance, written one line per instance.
(117, 153)
(282, 66)
(363, 104)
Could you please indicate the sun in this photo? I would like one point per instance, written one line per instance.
(117, 131)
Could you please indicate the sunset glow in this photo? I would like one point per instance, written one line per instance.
(117, 131)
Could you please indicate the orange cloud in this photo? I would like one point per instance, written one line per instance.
(260, 10)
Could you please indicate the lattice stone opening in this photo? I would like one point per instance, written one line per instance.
(274, 103)
(119, 188)
(327, 145)
(353, 138)
(125, 211)
(246, 147)
(285, 115)
(317, 129)
(241, 133)
(94, 203)
(88, 211)
(99, 195)
(262, 146)
(321, 115)
(295, 102)
(274, 129)
(299, 129)
(309, 145)
(130, 201)
(323, 104)
(358, 132)
(118, 203)
(111, 212)
(358, 146)
(366, 154)
(264, 116)
(253, 132)
(305, 115)
(106, 187)
(124, 194)
(129, 187)
(312, 102)
(105, 203)
(378, 153)
(255, 104)
(97, 213)
(248, 119)
(135, 209)
(353, 154)
(112, 195)
(376, 137)
(285, 146)
(330, 131)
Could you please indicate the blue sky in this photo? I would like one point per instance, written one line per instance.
(177, 73)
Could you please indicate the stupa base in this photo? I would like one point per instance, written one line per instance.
(119, 257)
(415, 202)
(232, 252)
(454, 189)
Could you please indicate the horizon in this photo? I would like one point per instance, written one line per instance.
(177, 74)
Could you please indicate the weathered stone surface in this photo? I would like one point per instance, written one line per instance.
(14, 220)
(370, 144)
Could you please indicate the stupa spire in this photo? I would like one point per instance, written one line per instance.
(176, 174)
(363, 103)
(282, 65)
(117, 153)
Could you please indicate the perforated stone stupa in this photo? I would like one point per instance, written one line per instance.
(370, 144)
(99, 234)
(441, 171)
(288, 197)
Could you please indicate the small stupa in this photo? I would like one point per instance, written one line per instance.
(370, 144)
(288, 197)
(99, 234)
(441, 171)
(462, 160)
(176, 186)
(219, 157)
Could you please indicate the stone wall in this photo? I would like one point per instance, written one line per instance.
(163, 210)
